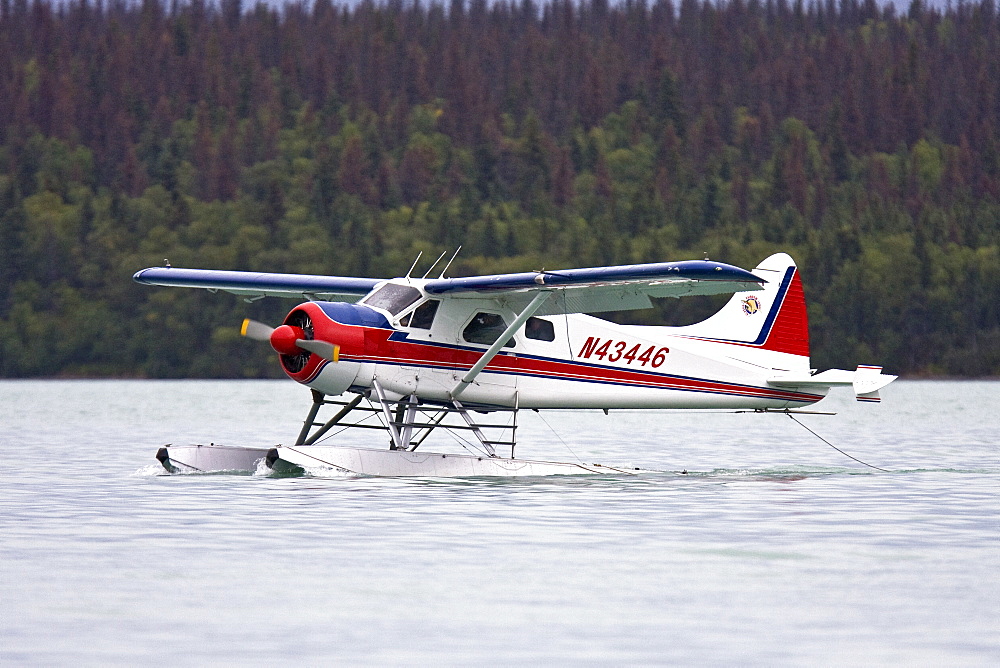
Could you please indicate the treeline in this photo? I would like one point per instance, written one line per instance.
(317, 138)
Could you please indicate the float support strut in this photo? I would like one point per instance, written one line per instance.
(317, 402)
(396, 443)
(332, 422)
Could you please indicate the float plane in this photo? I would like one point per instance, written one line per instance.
(417, 356)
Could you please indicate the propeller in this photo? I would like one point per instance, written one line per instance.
(289, 340)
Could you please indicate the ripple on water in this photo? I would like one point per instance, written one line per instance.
(771, 548)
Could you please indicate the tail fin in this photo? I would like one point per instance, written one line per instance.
(773, 318)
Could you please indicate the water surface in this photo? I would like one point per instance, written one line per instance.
(773, 548)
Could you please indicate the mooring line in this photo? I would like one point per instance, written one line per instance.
(835, 447)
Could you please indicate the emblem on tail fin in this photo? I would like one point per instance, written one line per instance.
(751, 305)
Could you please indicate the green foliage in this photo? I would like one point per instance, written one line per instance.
(864, 144)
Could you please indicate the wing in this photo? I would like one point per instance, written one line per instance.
(254, 285)
(592, 290)
(597, 289)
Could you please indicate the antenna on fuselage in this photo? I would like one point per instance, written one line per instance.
(450, 261)
(414, 264)
(433, 265)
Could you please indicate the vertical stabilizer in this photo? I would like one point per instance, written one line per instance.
(772, 318)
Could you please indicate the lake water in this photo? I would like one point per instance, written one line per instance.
(773, 549)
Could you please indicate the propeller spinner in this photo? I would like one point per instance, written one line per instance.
(289, 340)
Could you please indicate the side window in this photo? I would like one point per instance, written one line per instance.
(539, 329)
(423, 316)
(486, 328)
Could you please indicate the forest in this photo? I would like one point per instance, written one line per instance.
(323, 138)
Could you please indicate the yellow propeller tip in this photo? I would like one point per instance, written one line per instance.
(243, 329)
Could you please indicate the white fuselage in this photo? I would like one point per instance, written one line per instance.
(578, 361)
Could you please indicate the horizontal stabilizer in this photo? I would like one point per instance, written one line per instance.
(866, 381)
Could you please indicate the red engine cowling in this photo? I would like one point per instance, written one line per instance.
(311, 321)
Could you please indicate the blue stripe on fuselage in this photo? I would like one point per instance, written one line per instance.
(740, 389)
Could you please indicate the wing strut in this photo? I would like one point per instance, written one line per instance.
(491, 352)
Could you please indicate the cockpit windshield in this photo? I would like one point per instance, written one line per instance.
(393, 298)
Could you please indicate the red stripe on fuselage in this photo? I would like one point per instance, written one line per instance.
(380, 349)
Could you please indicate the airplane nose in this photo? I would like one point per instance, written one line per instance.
(283, 339)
